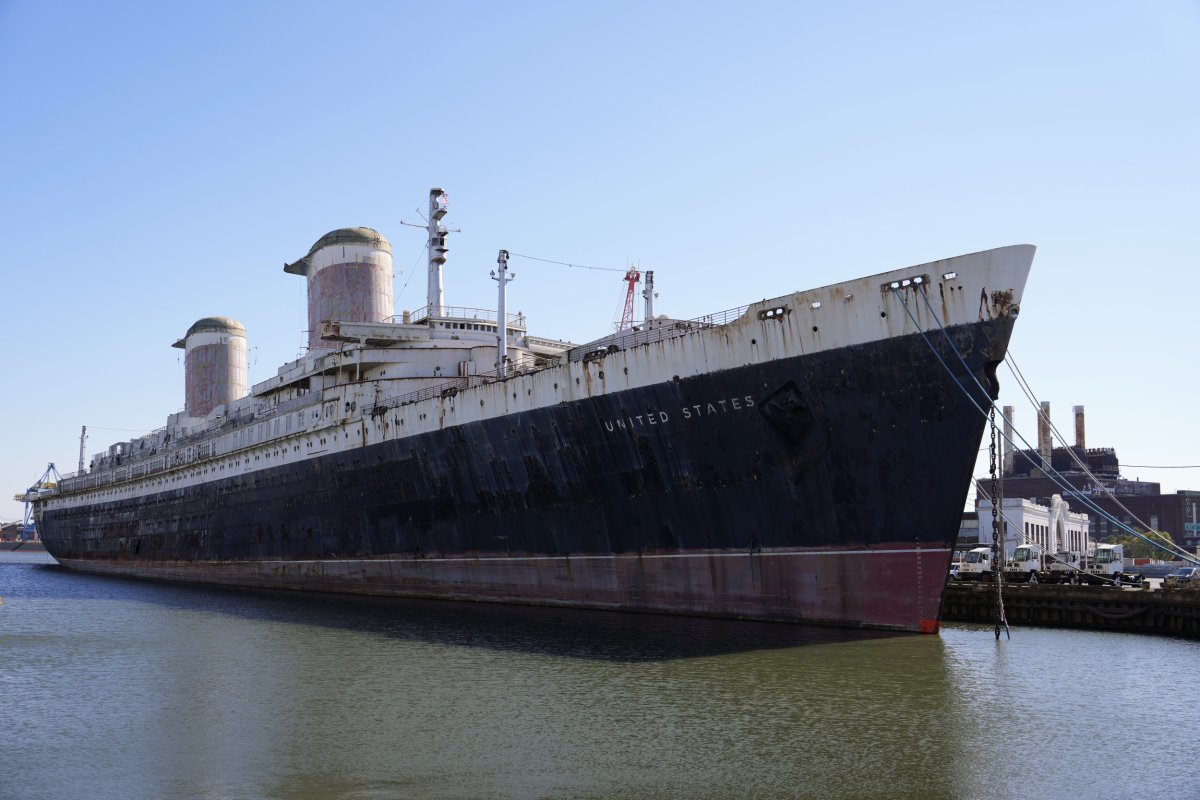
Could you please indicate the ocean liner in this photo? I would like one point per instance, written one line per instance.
(804, 458)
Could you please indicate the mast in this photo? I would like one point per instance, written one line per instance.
(82, 447)
(648, 293)
(438, 203)
(502, 328)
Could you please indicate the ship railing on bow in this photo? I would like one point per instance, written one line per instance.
(656, 332)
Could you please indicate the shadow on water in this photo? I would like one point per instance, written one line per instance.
(562, 632)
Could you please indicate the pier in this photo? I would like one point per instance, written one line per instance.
(1171, 612)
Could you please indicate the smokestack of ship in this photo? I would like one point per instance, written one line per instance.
(349, 275)
(215, 371)
(1045, 444)
(1079, 440)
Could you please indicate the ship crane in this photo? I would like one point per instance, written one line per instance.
(632, 277)
(43, 486)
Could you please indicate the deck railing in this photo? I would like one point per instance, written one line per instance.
(658, 333)
(458, 313)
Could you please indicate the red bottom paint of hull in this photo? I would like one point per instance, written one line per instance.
(893, 587)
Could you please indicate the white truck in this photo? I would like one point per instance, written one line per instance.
(1107, 568)
(1030, 563)
(976, 565)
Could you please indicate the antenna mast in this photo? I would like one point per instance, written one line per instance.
(648, 294)
(501, 317)
(82, 447)
(436, 246)
(438, 205)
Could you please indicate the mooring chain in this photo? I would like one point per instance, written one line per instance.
(997, 528)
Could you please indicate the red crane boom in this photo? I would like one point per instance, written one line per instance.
(632, 277)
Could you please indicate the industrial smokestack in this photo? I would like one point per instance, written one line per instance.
(1008, 439)
(1079, 440)
(1044, 442)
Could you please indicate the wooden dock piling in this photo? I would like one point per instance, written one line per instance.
(1171, 612)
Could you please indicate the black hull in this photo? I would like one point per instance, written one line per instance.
(855, 450)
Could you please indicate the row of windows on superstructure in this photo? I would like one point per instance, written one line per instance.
(199, 471)
(469, 326)
(252, 434)
(227, 463)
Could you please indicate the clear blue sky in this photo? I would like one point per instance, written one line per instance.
(160, 161)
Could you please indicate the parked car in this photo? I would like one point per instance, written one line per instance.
(1181, 577)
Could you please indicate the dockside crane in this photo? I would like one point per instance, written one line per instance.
(43, 486)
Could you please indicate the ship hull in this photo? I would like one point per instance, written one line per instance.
(891, 587)
(823, 488)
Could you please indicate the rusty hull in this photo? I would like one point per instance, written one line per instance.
(896, 587)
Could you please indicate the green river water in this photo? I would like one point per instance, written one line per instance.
(125, 689)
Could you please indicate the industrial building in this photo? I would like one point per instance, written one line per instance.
(1025, 476)
(1053, 526)
(11, 531)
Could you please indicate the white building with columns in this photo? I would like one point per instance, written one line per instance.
(1055, 527)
